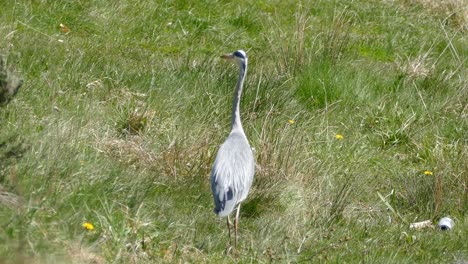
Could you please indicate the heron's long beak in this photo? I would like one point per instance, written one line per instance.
(227, 56)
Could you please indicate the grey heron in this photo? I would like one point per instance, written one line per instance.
(234, 167)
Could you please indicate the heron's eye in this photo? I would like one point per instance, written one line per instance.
(239, 54)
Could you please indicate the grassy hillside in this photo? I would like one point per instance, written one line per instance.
(357, 111)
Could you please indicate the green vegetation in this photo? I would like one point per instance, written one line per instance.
(124, 104)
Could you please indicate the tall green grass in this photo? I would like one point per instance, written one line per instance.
(121, 115)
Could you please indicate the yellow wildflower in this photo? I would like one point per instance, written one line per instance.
(88, 226)
(291, 121)
(339, 136)
(428, 172)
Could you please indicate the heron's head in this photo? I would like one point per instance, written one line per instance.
(238, 56)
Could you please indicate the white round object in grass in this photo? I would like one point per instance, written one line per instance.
(446, 224)
(234, 167)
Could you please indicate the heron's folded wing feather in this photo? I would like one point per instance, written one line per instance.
(232, 173)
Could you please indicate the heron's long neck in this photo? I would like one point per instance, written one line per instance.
(236, 121)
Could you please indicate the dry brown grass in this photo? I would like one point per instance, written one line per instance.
(456, 11)
(9, 83)
(129, 151)
(79, 254)
(418, 67)
(9, 199)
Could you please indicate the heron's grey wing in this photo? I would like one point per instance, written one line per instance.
(232, 174)
(223, 194)
(222, 185)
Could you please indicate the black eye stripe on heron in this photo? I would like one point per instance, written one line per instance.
(239, 54)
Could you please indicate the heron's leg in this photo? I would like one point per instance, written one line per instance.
(236, 224)
(229, 229)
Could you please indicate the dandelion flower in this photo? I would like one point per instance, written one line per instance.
(339, 136)
(290, 121)
(428, 172)
(88, 226)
